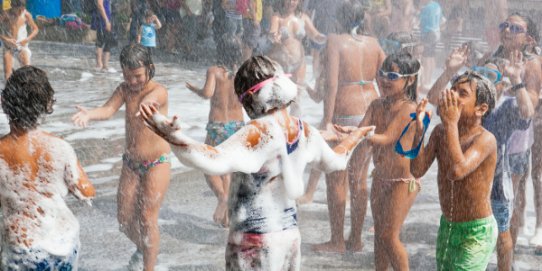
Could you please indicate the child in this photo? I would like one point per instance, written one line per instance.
(39, 232)
(147, 31)
(268, 156)
(394, 189)
(145, 171)
(225, 117)
(16, 38)
(466, 155)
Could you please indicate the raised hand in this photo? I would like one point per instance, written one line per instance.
(421, 112)
(159, 124)
(82, 117)
(515, 68)
(192, 87)
(449, 107)
(457, 58)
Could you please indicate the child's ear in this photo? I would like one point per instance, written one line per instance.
(481, 110)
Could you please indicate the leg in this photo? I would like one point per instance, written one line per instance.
(99, 55)
(24, 57)
(226, 180)
(504, 251)
(314, 178)
(519, 206)
(536, 176)
(8, 64)
(153, 188)
(336, 203)
(392, 203)
(217, 186)
(106, 56)
(358, 171)
(126, 204)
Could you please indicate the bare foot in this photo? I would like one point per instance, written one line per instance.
(354, 246)
(329, 247)
(305, 199)
(220, 215)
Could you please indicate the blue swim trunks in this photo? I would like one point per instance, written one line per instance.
(38, 260)
(218, 132)
(502, 210)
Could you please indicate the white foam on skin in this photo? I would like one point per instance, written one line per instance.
(284, 171)
(35, 214)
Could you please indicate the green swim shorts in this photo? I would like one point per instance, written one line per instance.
(466, 245)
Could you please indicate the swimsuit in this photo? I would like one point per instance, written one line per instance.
(268, 251)
(466, 245)
(22, 34)
(413, 183)
(144, 166)
(218, 132)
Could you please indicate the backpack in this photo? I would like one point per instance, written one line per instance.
(241, 6)
(88, 6)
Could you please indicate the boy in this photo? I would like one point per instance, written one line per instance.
(16, 37)
(145, 172)
(466, 155)
(225, 117)
(37, 170)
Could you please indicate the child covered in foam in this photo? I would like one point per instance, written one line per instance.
(37, 169)
(267, 158)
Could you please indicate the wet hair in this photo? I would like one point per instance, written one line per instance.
(26, 97)
(135, 56)
(485, 90)
(253, 71)
(350, 14)
(148, 13)
(233, 52)
(280, 6)
(407, 65)
(397, 42)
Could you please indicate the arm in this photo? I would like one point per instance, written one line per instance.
(394, 129)
(274, 29)
(33, 26)
(332, 80)
(514, 70)
(463, 163)
(314, 34)
(157, 97)
(208, 89)
(455, 61)
(157, 22)
(139, 34)
(532, 80)
(101, 12)
(426, 155)
(75, 177)
(100, 113)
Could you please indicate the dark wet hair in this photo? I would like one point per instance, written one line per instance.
(18, 3)
(26, 97)
(350, 14)
(148, 13)
(233, 52)
(485, 90)
(255, 70)
(135, 56)
(280, 7)
(407, 65)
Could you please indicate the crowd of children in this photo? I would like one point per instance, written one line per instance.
(488, 105)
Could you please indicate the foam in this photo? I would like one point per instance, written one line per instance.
(33, 207)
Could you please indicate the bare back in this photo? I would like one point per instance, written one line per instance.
(359, 59)
(225, 105)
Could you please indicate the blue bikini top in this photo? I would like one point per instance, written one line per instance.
(411, 154)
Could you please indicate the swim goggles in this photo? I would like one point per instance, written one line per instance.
(260, 85)
(514, 28)
(493, 75)
(392, 76)
(413, 153)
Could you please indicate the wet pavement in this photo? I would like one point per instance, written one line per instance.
(190, 240)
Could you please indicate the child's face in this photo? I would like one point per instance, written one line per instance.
(148, 19)
(466, 96)
(393, 87)
(135, 78)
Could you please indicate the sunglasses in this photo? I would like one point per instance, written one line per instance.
(493, 75)
(514, 28)
(392, 76)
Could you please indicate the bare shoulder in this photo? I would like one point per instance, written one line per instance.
(533, 65)
(487, 140)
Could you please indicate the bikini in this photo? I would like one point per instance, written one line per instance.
(286, 56)
(143, 167)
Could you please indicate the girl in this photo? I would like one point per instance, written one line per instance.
(394, 189)
(16, 39)
(268, 157)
